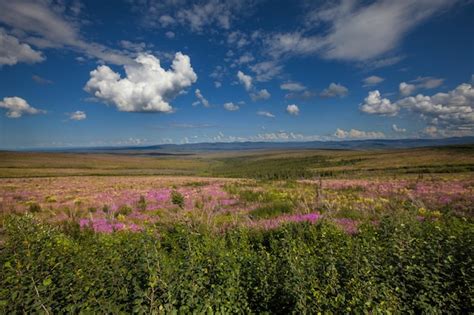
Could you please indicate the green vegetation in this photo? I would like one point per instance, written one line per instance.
(399, 266)
(177, 198)
(377, 232)
(266, 165)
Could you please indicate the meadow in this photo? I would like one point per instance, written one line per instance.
(272, 231)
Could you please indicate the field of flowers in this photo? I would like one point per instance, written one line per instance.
(180, 244)
(107, 204)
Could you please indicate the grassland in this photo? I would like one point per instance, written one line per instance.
(267, 164)
(250, 232)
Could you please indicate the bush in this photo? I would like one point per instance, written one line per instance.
(33, 207)
(123, 210)
(396, 267)
(141, 204)
(177, 198)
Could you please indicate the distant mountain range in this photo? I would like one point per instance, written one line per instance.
(172, 149)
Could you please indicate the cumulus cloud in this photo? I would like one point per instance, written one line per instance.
(147, 87)
(358, 134)
(231, 106)
(201, 99)
(375, 104)
(293, 110)
(265, 113)
(334, 90)
(247, 82)
(78, 115)
(260, 95)
(13, 52)
(406, 88)
(398, 129)
(452, 110)
(17, 107)
(292, 87)
(349, 36)
(244, 79)
(372, 80)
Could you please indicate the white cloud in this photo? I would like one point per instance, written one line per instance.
(293, 110)
(13, 52)
(451, 110)
(428, 82)
(132, 141)
(170, 34)
(166, 20)
(197, 16)
(78, 115)
(43, 25)
(334, 90)
(266, 70)
(245, 58)
(260, 95)
(147, 87)
(231, 106)
(358, 134)
(282, 44)
(454, 107)
(265, 113)
(238, 39)
(268, 136)
(398, 129)
(246, 80)
(372, 80)
(17, 107)
(217, 84)
(133, 46)
(431, 131)
(292, 86)
(406, 88)
(41, 80)
(419, 83)
(201, 98)
(305, 95)
(375, 104)
(350, 36)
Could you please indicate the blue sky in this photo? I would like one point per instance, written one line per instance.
(140, 72)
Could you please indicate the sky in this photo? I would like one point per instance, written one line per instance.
(143, 72)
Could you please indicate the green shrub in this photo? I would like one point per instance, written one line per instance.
(123, 210)
(396, 267)
(177, 198)
(33, 207)
(141, 204)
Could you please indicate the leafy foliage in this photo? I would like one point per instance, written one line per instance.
(177, 198)
(398, 266)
